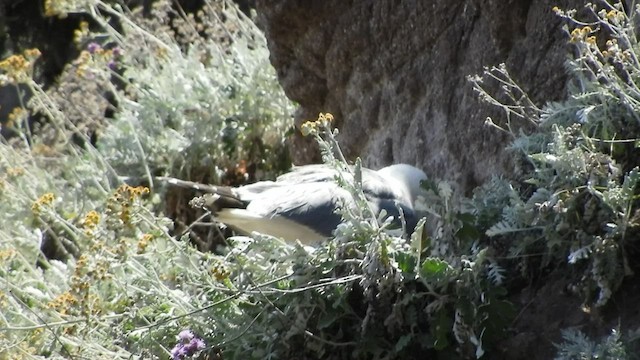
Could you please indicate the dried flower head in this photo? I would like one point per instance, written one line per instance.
(144, 242)
(61, 8)
(43, 201)
(18, 68)
(90, 222)
(311, 127)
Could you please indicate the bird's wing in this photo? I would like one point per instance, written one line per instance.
(246, 222)
(372, 182)
(308, 174)
(309, 204)
(381, 190)
(298, 175)
(302, 203)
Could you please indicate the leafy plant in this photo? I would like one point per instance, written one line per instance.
(579, 194)
(89, 267)
(577, 345)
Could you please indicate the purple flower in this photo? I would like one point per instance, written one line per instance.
(117, 52)
(179, 352)
(195, 345)
(188, 345)
(176, 351)
(93, 47)
(185, 336)
(112, 65)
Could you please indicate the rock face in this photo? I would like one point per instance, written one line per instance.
(394, 74)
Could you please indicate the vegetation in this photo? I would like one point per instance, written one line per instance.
(580, 160)
(90, 267)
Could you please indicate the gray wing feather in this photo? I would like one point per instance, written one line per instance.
(308, 174)
(310, 204)
(310, 196)
(373, 184)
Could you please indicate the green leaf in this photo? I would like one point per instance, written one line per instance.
(445, 190)
(468, 231)
(403, 342)
(466, 308)
(441, 326)
(357, 173)
(429, 185)
(406, 262)
(630, 183)
(497, 316)
(327, 319)
(435, 270)
(433, 267)
(501, 228)
(419, 237)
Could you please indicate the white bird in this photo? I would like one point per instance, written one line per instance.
(301, 205)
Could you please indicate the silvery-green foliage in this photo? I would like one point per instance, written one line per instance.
(203, 105)
(581, 203)
(128, 283)
(438, 202)
(578, 187)
(577, 346)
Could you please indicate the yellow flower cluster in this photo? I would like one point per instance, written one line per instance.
(61, 8)
(615, 52)
(94, 59)
(90, 222)
(220, 272)
(311, 127)
(101, 58)
(63, 303)
(83, 63)
(130, 193)
(81, 265)
(580, 33)
(43, 201)
(79, 35)
(52, 8)
(567, 14)
(120, 203)
(15, 172)
(16, 116)
(144, 241)
(6, 254)
(79, 300)
(70, 329)
(44, 150)
(97, 271)
(18, 68)
(613, 16)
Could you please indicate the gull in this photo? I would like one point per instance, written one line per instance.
(302, 204)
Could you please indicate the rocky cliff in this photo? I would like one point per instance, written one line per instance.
(394, 74)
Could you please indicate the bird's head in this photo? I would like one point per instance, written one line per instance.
(409, 176)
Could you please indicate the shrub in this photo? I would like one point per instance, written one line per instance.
(578, 200)
(88, 266)
(577, 345)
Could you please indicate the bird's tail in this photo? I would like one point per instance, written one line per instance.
(219, 197)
